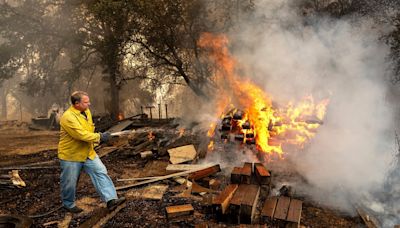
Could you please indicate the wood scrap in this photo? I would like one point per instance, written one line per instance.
(369, 220)
(205, 172)
(156, 179)
(236, 175)
(294, 213)
(221, 202)
(282, 208)
(196, 188)
(183, 167)
(101, 217)
(154, 192)
(182, 154)
(146, 154)
(179, 210)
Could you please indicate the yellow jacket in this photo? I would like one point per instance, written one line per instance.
(77, 136)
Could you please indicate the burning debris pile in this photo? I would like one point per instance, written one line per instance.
(252, 116)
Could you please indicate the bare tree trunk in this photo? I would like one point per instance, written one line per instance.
(3, 103)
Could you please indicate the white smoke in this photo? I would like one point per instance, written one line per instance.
(341, 59)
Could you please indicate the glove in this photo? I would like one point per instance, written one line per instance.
(105, 137)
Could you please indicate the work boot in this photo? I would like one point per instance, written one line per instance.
(74, 210)
(112, 204)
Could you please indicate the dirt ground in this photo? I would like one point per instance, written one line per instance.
(20, 146)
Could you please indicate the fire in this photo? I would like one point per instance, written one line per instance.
(269, 127)
(181, 132)
(151, 136)
(120, 116)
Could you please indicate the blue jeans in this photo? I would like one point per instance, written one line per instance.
(70, 172)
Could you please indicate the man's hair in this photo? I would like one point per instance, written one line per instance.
(77, 96)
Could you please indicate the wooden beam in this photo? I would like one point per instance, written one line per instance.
(221, 202)
(236, 175)
(204, 172)
(262, 175)
(268, 210)
(282, 208)
(236, 201)
(294, 213)
(249, 204)
(246, 174)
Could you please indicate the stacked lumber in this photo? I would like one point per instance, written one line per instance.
(249, 174)
(282, 211)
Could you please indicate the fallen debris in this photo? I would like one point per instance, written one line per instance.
(12, 179)
(179, 210)
(101, 217)
(182, 154)
(205, 172)
(221, 202)
(182, 167)
(156, 179)
(154, 192)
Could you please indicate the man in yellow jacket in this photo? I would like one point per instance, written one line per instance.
(76, 153)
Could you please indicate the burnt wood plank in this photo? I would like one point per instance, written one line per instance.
(179, 210)
(249, 204)
(221, 202)
(294, 213)
(282, 208)
(262, 175)
(236, 175)
(205, 172)
(246, 173)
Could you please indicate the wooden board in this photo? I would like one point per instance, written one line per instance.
(182, 167)
(205, 172)
(262, 175)
(249, 204)
(120, 126)
(179, 210)
(182, 154)
(236, 175)
(155, 192)
(221, 202)
(294, 213)
(282, 208)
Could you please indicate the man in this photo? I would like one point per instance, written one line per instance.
(75, 151)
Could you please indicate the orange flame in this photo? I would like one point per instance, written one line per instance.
(151, 136)
(271, 127)
(181, 132)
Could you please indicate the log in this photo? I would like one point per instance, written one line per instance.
(204, 172)
(262, 175)
(221, 202)
(179, 210)
(249, 204)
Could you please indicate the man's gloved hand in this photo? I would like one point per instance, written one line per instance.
(105, 137)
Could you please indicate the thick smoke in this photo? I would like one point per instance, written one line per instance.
(292, 56)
